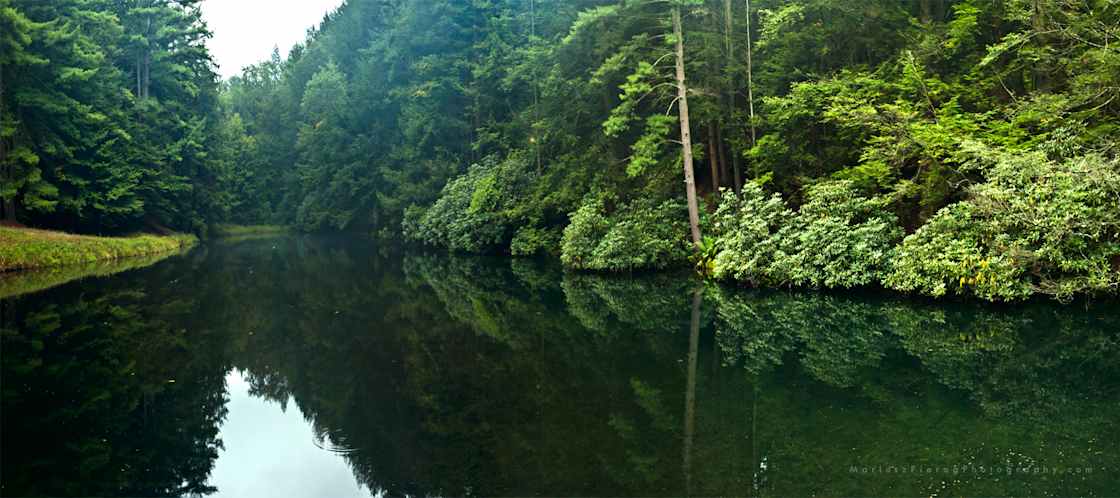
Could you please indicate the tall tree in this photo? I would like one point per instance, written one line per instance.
(686, 130)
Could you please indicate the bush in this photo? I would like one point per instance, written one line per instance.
(838, 239)
(529, 241)
(477, 211)
(639, 235)
(1036, 226)
(746, 226)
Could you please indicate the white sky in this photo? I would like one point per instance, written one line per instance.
(245, 31)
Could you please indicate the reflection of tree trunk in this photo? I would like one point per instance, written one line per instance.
(754, 435)
(690, 392)
(686, 131)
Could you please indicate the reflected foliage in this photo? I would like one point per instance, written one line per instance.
(106, 393)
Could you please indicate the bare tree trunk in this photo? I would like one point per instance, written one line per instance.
(927, 11)
(727, 27)
(713, 158)
(147, 59)
(536, 87)
(686, 132)
(750, 76)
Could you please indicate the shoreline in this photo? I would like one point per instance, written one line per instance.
(33, 249)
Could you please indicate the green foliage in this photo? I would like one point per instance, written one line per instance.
(867, 119)
(480, 211)
(747, 226)
(839, 238)
(529, 241)
(703, 259)
(1036, 225)
(640, 235)
(109, 116)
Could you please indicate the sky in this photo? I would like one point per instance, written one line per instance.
(245, 31)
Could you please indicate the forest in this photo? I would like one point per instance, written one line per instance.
(934, 147)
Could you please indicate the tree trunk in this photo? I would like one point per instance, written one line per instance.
(9, 210)
(147, 74)
(139, 75)
(727, 28)
(146, 86)
(8, 205)
(686, 132)
(713, 158)
(1041, 39)
(750, 76)
(722, 157)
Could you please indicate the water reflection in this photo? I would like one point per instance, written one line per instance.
(461, 376)
(271, 451)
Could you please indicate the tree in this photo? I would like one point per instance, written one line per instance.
(686, 133)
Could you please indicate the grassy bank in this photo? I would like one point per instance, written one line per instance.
(230, 231)
(24, 248)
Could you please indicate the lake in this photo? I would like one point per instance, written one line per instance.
(322, 366)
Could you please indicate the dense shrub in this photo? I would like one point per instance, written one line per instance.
(477, 211)
(746, 226)
(529, 241)
(640, 235)
(1036, 226)
(839, 238)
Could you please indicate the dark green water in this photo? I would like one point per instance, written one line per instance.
(330, 368)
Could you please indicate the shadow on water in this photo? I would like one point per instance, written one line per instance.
(447, 375)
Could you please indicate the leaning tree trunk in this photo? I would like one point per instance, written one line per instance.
(686, 132)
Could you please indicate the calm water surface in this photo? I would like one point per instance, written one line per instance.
(332, 367)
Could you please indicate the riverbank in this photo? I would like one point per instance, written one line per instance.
(28, 248)
(239, 232)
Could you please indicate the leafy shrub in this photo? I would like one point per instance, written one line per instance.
(639, 235)
(532, 240)
(839, 238)
(950, 253)
(477, 211)
(1036, 226)
(746, 226)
